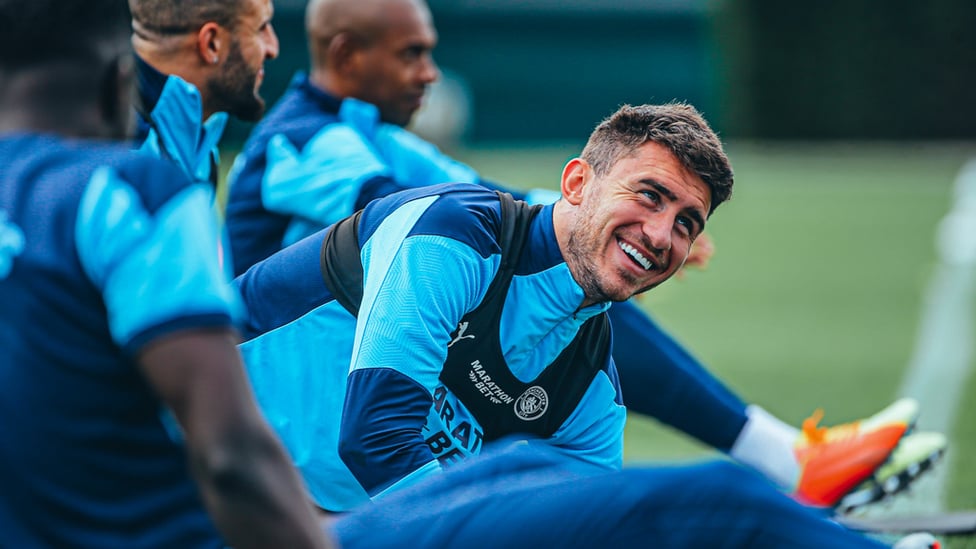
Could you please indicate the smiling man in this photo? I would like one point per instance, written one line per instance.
(467, 316)
(617, 242)
(335, 141)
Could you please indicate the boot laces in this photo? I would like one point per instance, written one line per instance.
(815, 434)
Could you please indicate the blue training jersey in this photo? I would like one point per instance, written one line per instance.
(102, 251)
(429, 256)
(315, 159)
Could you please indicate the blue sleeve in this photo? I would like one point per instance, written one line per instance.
(416, 289)
(418, 163)
(12, 243)
(178, 134)
(158, 271)
(413, 162)
(321, 182)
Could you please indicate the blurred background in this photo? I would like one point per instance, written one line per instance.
(843, 270)
(759, 69)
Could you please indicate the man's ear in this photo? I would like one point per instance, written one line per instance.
(211, 39)
(341, 51)
(575, 176)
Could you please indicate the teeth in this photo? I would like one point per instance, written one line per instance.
(632, 252)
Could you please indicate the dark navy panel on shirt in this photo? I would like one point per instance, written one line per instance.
(477, 230)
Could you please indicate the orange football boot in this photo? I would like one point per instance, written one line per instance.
(835, 460)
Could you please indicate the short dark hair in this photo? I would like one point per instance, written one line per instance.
(182, 16)
(39, 31)
(677, 126)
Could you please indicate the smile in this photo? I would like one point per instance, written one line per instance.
(635, 255)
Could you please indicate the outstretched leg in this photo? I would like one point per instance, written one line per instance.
(528, 497)
(661, 379)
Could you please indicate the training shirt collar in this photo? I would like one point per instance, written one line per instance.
(150, 84)
(326, 101)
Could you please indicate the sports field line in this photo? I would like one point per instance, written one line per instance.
(943, 353)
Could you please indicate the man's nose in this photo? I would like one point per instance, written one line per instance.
(273, 46)
(658, 233)
(429, 73)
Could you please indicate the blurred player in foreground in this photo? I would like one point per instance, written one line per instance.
(126, 416)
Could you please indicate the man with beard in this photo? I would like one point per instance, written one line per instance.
(335, 141)
(460, 326)
(126, 416)
(198, 61)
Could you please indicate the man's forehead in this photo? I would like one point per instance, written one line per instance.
(406, 22)
(258, 9)
(656, 165)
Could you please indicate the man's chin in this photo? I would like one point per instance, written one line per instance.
(398, 120)
(252, 112)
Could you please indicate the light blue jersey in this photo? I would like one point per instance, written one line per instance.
(171, 124)
(429, 256)
(315, 159)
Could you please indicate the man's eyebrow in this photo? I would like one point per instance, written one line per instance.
(659, 187)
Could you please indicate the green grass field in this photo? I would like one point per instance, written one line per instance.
(813, 296)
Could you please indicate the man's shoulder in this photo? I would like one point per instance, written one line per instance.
(155, 180)
(451, 200)
(468, 213)
(69, 164)
(296, 116)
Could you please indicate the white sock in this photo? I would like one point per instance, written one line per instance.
(766, 444)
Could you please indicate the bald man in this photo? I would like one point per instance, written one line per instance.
(197, 62)
(335, 141)
(396, 85)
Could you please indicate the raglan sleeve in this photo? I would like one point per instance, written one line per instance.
(320, 180)
(416, 289)
(177, 134)
(153, 254)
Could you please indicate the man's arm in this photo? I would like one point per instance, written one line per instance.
(248, 485)
(416, 290)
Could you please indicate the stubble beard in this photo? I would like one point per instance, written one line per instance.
(234, 90)
(582, 250)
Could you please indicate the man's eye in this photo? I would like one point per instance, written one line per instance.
(652, 195)
(687, 223)
(413, 53)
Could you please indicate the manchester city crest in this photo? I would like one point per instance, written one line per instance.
(532, 404)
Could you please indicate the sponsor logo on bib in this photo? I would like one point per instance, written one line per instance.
(532, 404)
